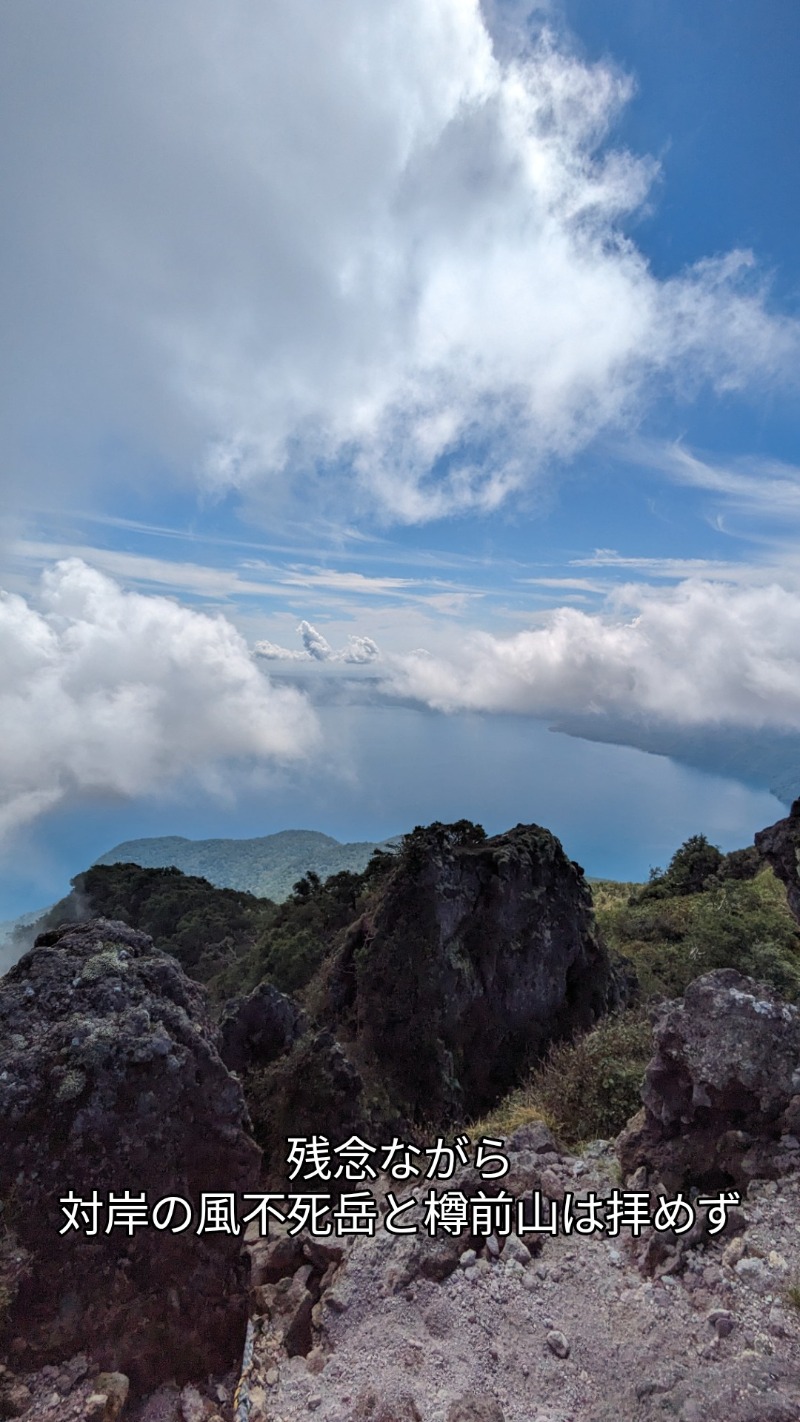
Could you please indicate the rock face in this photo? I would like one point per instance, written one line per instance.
(722, 1091)
(312, 1089)
(780, 846)
(110, 1082)
(477, 956)
(257, 1029)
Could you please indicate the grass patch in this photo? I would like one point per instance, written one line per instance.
(792, 1292)
(583, 1090)
(513, 1111)
(734, 924)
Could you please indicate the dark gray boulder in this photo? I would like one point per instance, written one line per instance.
(780, 846)
(110, 1081)
(721, 1094)
(257, 1029)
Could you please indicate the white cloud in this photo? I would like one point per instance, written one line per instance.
(193, 579)
(360, 650)
(273, 652)
(698, 654)
(106, 691)
(673, 569)
(356, 235)
(316, 648)
(758, 487)
(315, 644)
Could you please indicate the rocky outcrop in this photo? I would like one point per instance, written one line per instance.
(110, 1082)
(780, 846)
(257, 1029)
(722, 1092)
(313, 1089)
(477, 956)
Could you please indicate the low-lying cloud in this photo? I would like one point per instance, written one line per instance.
(700, 654)
(297, 245)
(113, 692)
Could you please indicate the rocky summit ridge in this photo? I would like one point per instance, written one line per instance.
(115, 1077)
(474, 955)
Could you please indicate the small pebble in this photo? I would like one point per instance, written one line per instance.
(558, 1343)
(722, 1321)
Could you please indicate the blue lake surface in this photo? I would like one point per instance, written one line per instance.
(617, 810)
(385, 768)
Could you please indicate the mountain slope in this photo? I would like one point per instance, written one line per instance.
(267, 866)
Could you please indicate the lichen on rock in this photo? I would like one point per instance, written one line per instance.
(110, 1081)
(721, 1095)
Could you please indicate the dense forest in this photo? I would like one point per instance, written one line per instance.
(226, 938)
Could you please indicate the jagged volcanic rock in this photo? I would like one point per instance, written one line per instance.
(722, 1091)
(780, 846)
(477, 956)
(258, 1028)
(110, 1081)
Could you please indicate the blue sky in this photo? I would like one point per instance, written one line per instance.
(362, 365)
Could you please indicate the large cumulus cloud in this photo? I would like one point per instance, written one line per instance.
(106, 691)
(700, 654)
(269, 240)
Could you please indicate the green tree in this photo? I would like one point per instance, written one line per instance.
(690, 866)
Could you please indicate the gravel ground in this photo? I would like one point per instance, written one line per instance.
(584, 1330)
(579, 1333)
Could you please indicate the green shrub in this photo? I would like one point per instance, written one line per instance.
(590, 1087)
(584, 1089)
(689, 868)
(734, 923)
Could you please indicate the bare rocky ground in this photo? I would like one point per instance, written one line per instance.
(583, 1332)
(586, 1329)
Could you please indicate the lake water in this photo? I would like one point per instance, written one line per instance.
(385, 768)
(618, 811)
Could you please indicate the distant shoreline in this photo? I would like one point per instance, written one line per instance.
(762, 761)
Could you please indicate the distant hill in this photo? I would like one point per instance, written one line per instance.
(267, 866)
